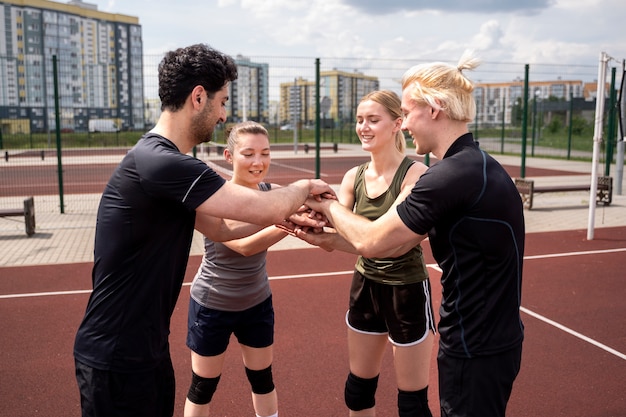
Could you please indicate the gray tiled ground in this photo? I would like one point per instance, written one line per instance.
(68, 237)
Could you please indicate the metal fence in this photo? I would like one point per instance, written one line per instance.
(73, 161)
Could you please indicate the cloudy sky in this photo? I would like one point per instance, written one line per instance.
(559, 32)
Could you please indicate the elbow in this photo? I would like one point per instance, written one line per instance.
(367, 252)
(365, 249)
(371, 248)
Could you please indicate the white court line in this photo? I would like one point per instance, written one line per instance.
(574, 333)
(589, 252)
(228, 172)
(433, 266)
(44, 294)
(308, 171)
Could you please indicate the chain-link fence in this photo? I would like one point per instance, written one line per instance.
(101, 114)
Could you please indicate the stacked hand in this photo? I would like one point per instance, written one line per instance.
(309, 224)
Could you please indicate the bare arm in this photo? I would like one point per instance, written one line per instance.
(329, 239)
(257, 242)
(262, 208)
(221, 230)
(387, 236)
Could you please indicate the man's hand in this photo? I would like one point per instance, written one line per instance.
(319, 205)
(319, 189)
(318, 237)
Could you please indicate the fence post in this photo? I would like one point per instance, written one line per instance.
(611, 131)
(317, 118)
(524, 122)
(57, 119)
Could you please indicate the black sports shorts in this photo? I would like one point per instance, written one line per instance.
(404, 312)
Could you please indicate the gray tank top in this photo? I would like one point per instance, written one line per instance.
(229, 281)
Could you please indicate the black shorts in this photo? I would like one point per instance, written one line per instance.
(479, 386)
(209, 330)
(404, 312)
(127, 394)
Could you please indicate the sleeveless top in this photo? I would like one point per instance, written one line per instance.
(228, 281)
(405, 269)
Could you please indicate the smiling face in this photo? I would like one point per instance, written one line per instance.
(417, 118)
(375, 127)
(250, 159)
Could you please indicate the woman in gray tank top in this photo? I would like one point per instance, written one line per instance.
(230, 293)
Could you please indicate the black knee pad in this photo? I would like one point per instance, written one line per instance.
(202, 389)
(413, 403)
(261, 381)
(360, 392)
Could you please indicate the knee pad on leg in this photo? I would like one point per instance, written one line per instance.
(202, 389)
(261, 381)
(360, 392)
(413, 403)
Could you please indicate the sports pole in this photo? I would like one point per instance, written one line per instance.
(597, 139)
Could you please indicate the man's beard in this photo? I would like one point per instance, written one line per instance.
(202, 127)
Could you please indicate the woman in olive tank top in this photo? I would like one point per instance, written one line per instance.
(389, 297)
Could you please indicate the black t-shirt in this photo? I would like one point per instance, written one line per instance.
(472, 212)
(144, 231)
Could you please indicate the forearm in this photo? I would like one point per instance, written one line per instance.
(327, 239)
(222, 230)
(353, 228)
(257, 242)
(387, 236)
(263, 208)
(288, 200)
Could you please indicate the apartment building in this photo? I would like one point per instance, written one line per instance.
(249, 92)
(99, 67)
(340, 93)
(495, 101)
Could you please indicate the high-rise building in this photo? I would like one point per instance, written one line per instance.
(99, 67)
(498, 100)
(340, 94)
(249, 92)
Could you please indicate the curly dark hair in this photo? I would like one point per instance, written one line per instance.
(181, 70)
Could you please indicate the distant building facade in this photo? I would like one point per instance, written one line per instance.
(99, 66)
(249, 93)
(495, 101)
(340, 93)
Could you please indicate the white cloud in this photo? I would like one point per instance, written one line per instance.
(488, 37)
(511, 31)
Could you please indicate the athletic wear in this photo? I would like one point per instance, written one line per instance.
(405, 269)
(389, 295)
(404, 312)
(472, 212)
(209, 330)
(230, 294)
(149, 393)
(144, 230)
(473, 215)
(479, 386)
(228, 281)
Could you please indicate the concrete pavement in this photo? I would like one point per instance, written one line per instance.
(68, 237)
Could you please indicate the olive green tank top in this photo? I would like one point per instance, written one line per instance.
(405, 269)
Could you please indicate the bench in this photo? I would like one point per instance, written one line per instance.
(527, 189)
(28, 211)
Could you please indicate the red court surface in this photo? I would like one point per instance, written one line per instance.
(574, 359)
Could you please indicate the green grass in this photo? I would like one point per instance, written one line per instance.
(546, 138)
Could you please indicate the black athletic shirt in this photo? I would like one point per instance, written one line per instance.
(472, 212)
(144, 231)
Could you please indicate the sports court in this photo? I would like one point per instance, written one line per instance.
(574, 358)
